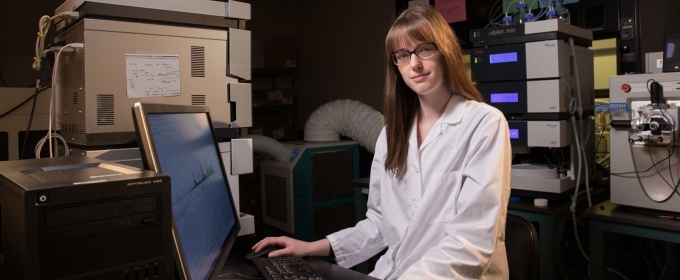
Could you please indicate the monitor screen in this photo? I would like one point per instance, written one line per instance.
(182, 145)
(671, 51)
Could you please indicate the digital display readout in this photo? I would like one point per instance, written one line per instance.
(502, 57)
(514, 133)
(510, 97)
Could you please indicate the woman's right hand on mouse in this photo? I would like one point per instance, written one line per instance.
(294, 247)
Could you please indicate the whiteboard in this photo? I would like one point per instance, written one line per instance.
(152, 75)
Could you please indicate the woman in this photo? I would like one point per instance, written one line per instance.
(440, 177)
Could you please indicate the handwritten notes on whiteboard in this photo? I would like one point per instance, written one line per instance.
(152, 75)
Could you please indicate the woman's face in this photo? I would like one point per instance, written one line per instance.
(423, 75)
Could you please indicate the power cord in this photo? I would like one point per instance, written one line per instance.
(43, 28)
(49, 136)
(38, 90)
(582, 158)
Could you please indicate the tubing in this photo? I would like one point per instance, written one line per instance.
(350, 118)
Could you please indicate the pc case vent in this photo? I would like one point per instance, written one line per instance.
(198, 100)
(105, 109)
(591, 18)
(4, 148)
(72, 128)
(75, 98)
(276, 197)
(197, 61)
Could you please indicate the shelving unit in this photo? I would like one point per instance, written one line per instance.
(261, 111)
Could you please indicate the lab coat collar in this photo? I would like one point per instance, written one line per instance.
(455, 110)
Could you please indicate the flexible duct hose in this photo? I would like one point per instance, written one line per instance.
(350, 118)
(270, 147)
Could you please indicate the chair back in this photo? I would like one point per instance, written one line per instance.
(521, 244)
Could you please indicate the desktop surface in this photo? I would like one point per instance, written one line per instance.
(611, 212)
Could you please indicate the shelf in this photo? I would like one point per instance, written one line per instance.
(272, 71)
(273, 108)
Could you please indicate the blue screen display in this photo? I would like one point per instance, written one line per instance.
(511, 97)
(201, 201)
(502, 57)
(514, 133)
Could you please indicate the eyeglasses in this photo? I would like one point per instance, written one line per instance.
(423, 51)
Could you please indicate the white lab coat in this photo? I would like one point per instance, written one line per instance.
(446, 218)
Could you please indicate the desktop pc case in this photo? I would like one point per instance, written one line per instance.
(83, 218)
(309, 195)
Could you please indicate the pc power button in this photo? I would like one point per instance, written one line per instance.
(43, 197)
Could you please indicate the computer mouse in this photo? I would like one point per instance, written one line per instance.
(263, 253)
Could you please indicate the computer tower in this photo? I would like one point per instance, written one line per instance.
(83, 218)
(309, 195)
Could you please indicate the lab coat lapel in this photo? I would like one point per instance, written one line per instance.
(413, 137)
(433, 134)
(452, 114)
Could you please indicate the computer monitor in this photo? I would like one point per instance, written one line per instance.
(179, 141)
(671, 51)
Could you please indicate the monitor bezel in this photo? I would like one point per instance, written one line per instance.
(668, 67)
(148, 153)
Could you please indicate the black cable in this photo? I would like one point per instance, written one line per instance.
(637, 174)
(649, 151)
(30, 118)
(651, 96)
(2, 80)
(597, 145)
(24, 102)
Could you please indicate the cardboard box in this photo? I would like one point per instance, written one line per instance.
(281, 52)
(278, 125)
(272, 97)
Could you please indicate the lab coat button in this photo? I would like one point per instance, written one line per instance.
(415, 168)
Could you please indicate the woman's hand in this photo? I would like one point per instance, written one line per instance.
(294, 247)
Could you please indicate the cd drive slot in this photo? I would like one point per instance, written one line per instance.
(80, 230)
(100, 211)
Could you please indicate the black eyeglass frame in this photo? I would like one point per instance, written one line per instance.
(411, 53)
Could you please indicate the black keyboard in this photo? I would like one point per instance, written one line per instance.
(284, 268)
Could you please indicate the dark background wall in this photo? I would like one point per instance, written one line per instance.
(18, 32)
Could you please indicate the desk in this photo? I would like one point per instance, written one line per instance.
(247, 271)
(611, 218)
(551, 221)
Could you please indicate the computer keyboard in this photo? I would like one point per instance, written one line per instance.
(284, 268)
